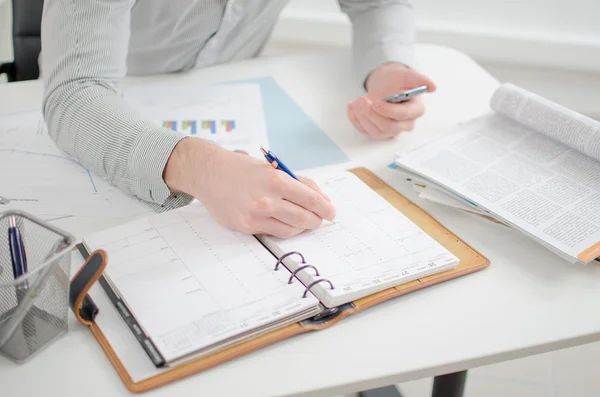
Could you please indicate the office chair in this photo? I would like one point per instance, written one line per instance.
(27, 43)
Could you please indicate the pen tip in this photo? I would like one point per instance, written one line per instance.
(262, 149)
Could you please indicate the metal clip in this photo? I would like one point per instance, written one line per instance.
(280, 261)
(317, 282)
(300, 269)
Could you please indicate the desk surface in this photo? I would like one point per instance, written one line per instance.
(528, 302)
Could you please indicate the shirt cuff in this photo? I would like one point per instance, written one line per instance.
(379, 55)
(383, 35)
(146, 164)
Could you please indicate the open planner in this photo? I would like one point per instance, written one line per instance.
(530, 164)
(193, 292)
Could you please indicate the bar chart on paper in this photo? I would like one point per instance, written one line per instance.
(46, 182)
(230, 115)
(201, 127)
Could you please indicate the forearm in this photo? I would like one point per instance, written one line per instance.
(100, 130)
(85, 45)
(383, 32)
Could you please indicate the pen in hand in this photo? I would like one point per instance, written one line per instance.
(278, 165)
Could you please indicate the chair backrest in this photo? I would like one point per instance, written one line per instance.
(27, 43)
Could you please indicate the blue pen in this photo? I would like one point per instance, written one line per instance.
(276, 163)
(17, 254)
(19, 263)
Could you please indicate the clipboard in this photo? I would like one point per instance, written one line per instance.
(84, 308)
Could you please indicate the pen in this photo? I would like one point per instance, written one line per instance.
(276, 163)
(4, 200)
(17, 254)
(19, 263)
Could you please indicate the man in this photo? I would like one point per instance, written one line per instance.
(89, 46)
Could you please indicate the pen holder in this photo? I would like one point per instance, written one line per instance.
(33, 307)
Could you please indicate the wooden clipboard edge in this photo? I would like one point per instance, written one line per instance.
(192, 367)
(463, 269)
(244, 348)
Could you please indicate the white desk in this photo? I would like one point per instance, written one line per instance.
(527, 302)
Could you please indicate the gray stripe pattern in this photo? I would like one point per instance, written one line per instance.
(89, 46)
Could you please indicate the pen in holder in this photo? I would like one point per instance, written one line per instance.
(35, 260)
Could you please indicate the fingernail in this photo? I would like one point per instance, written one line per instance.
(332, 219)
(377, 105)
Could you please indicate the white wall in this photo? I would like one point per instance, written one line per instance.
(549, 33)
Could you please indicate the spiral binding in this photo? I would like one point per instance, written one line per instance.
(303, 267)
(317, 282)
(280, 261)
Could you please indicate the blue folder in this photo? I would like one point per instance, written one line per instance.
(293, 136)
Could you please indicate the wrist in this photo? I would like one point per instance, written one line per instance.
(188, 165)
(377, 75)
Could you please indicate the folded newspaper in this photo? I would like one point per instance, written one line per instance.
(529, 163)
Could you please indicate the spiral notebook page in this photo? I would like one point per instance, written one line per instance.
(192, 283)
(370, 247)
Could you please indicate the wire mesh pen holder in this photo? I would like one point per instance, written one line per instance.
(33, 307)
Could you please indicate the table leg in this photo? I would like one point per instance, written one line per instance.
(388, 391)
(449, 385)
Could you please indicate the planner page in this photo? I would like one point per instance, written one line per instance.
(370, 246)
(192, 283)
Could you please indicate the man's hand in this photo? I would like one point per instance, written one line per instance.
(381, 120)
(244, 193)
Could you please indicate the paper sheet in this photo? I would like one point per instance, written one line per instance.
(40, 179)
(371, 245)
(521, 177)
(230, 115)
(192, 283)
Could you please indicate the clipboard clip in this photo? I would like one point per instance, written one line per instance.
(81, 303)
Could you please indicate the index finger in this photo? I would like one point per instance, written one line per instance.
(409, 110)
(310, 199)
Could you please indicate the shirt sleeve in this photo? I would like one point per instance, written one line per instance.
(383, 31)
(84, 55)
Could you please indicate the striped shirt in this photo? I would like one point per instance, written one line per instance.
(89, 46)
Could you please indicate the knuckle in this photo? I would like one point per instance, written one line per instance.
(314, 200)
(392, 129)
(396, 128)
(302, 220)
(277, 181)
(308, 181)
(376, 135)
(263, 204)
